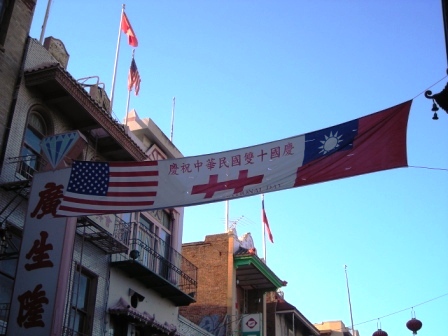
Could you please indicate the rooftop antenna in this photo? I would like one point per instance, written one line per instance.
(233, 223)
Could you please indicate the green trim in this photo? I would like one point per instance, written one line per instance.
(253, 260)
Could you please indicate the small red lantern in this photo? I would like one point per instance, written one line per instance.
(414, 325)
(379, 332)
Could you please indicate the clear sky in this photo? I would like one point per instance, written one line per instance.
(245, 72)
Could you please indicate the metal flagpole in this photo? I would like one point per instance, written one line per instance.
(227, 216)
(44, 25)
(129, 93)
(264, 230)
(116, 61)
(127, 107)
(349, 301)
(172, 119)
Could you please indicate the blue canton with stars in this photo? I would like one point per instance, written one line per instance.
(89, 178)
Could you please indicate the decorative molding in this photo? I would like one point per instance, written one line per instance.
(54, 72)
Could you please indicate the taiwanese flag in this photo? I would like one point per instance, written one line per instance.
(372, 143)
(127, 29)
(266, 222)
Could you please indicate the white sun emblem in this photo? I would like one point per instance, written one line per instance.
(331, 142)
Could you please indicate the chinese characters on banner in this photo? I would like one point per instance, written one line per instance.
(369, 144)
(372, 143)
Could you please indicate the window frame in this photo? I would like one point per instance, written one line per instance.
(26, 168)
(87, 312)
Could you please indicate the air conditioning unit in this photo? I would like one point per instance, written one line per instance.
(100, 96)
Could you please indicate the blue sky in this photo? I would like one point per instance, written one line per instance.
(245, 72)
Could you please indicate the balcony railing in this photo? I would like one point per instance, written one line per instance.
(4, 313)
(70, 332)
(108, 232)
(28, 165)
(160, 266)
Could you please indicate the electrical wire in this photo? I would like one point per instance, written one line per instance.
(430, 87)
(431, 168)
(402, 310)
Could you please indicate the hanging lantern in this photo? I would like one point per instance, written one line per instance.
(379, 332)
(414, 325)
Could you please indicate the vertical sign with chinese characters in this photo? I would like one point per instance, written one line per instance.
(42, 275)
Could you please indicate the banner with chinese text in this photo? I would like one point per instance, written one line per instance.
(372, 143)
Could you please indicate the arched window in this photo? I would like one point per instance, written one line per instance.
(35, 131)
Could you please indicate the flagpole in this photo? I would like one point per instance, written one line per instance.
(227, 216)
(127, 107)
(116, 61)
(349, 301)
(44, 25)
(129, 97)
(264, 233)
(172, 118)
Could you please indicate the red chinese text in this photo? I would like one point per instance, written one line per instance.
(31, 308)
(49, 200)
(38, 253)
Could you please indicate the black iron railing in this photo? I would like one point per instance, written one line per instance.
(4, 313)
(70, 332)
(164, 261)
(28, 165)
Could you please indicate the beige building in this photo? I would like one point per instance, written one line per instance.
(334, 328)
(115, 275)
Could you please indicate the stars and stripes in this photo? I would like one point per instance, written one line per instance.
(368, 144)
(134, 78)
(102, 187)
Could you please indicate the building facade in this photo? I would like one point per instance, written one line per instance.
(232, 285)
(92, 275)
(335, 328)
(285, 319)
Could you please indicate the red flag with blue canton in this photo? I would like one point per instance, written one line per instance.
(372, 143)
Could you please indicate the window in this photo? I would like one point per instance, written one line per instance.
(83, 301)
(155, 233)
(35, 131)
(5, 15)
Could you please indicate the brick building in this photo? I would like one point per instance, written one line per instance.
(232, 283)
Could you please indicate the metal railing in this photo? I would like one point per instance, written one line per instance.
(70, 332)
(4, 313)
(164, 261)
(105, 231)
(28, 165)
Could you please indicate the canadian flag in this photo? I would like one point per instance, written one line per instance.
(127, 29)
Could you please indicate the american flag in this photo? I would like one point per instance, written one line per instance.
(109, 187)
(134, 78)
